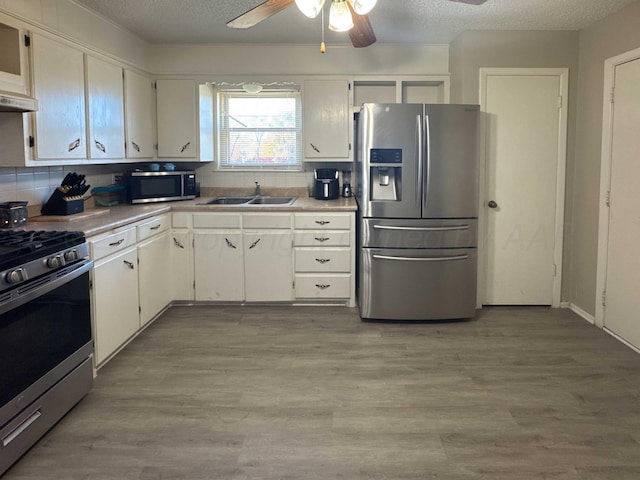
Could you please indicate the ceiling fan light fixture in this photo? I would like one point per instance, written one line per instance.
(310, 8)
(362, 7)
(252, 88)
(340, 19)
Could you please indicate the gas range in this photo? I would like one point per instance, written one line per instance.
(26, 255)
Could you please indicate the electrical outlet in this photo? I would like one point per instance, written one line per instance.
(116, 178)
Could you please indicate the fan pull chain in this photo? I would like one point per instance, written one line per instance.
(323, 47)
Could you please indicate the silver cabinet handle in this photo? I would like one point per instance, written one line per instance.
(177, 243)
(323, 286)
(323, 260)
(100, 146)
(185, 147)
(128, 264)
(115, 244)
(229, 244)
(323, 222)
(135, 146)
(422, 229)
(254, 244)
(316, 149)
(422, 259)
(155, 227)
(321, 239)
(73, 145)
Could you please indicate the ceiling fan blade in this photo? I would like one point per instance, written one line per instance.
(258, 14)
(361, 34)
(470, 2)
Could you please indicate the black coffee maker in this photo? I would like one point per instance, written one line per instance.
(326, 185)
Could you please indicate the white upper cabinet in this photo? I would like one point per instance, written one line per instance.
(139, 115)
(13, 57)
(176, 101)
(327, 124)
(58, 79)
(105, 97)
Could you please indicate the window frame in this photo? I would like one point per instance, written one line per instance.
(223, 132)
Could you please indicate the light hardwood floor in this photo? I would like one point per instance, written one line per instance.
(248, 393)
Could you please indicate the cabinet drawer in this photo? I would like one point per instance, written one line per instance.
(322, 286)
(341, 238)
(109, 243)
(323, 260)
(318, 221)
(266, 220)
(216, 220)
(152, 227)
(180, 219)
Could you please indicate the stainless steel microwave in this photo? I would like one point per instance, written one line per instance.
(164, 186)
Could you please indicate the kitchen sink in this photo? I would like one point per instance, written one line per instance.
(248, 201)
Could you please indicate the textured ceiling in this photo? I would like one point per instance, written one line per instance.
(394, 21)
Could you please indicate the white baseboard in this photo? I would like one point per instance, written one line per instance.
(577, 310)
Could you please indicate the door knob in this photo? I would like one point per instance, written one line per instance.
(492, 204)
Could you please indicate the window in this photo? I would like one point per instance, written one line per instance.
(260, 131)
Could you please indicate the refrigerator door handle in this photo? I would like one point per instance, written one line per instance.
(422, 229)
(419, 154)
(421, 259)
(427, 129)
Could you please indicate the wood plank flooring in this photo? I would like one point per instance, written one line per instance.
(274, 393)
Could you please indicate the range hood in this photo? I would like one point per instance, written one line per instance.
(15, 102)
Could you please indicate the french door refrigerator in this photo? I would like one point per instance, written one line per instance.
(417, 169)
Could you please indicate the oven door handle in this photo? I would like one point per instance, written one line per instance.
(36, 288)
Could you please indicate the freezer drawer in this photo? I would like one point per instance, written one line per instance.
(417, 284)
(407, 233)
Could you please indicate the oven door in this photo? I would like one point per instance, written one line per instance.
(45, 332)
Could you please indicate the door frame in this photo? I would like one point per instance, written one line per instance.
(563, 76)
(610, 65)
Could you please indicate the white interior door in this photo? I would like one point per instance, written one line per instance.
(524, 146)
(623, 263)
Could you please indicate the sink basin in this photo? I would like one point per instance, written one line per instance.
(272, 201)
(246, 201)
(228, 201)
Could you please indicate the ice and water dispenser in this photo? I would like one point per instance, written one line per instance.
(385, 173)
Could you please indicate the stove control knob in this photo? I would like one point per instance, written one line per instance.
(71, 255)
(16, 276)
(56, 261)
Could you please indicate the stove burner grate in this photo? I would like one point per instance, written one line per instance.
(21, 246)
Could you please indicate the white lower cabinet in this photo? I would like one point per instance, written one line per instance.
(268, 266)
(130, 282)
(218, 265)
(181, 246)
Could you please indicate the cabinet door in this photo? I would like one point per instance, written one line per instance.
(182, 265)
(218, 266)
(176, 101)
(326, 123)
(268, 266)
(58, 76)
(154, 276)
(139, 114)
(115, 302)
(106, 109)
(13, 57)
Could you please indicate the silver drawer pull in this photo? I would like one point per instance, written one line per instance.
(229, 244)
(115, 244)
(128, 264)
(254, 244)
(156, 227)
(422, 259)
(177, 243)
(323, 260)
(323, 222)
(422, 229)
(322, 239)
(15, 433)
(323, 286)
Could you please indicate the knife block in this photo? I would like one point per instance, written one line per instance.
(59, 204)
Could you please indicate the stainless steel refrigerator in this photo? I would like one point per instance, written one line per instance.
(417, 191)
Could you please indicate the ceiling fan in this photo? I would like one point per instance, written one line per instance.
(345, 16)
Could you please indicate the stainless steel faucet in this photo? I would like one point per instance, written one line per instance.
(257, 190)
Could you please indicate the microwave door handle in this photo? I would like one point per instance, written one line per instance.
(419, 147)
